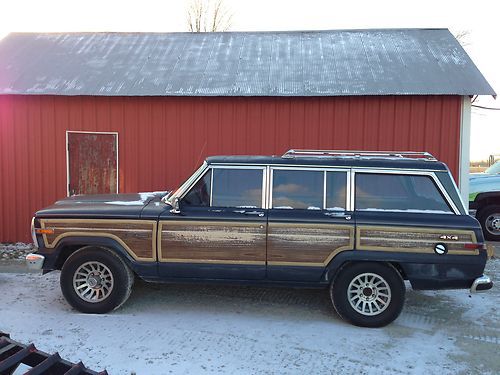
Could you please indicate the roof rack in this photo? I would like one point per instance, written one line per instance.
(297, 153)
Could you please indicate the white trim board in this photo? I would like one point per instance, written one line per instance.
(464, 155)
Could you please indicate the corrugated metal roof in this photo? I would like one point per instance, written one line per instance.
(295, 63)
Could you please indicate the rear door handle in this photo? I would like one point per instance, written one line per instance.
(256, 213)
(339, 214)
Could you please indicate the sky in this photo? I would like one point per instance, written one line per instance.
(479, 19)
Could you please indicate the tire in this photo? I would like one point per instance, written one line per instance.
(368, 306)
(96, 280)
(489, 218)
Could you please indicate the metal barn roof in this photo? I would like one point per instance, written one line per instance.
(295, 63)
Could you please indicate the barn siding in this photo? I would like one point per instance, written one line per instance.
(162, 139)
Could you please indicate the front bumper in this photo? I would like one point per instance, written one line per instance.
(481, 284)
(35, 261)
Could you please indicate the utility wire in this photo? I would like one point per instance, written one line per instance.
(480, 106)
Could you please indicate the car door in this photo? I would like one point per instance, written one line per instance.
(220, 232)
(309, 222)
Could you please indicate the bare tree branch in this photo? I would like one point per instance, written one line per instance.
(208, 15)
(463, 37)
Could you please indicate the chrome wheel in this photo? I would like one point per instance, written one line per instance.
(93, 282)
(369, 294)
(493, 224)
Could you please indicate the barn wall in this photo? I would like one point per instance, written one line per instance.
(162, 139)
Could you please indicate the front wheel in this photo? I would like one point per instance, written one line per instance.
(96, 280)
(368, 294)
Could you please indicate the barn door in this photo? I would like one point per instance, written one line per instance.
(92, 163)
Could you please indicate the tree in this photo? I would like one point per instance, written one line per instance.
(463, 37)
(208, 15)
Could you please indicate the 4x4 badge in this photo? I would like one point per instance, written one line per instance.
(448, 237)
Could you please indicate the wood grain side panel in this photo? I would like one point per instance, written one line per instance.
(307, 244)
(137, 237)
(212, 242)
(413, 240)
(107, 224)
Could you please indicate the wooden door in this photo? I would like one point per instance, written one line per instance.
(92, 163)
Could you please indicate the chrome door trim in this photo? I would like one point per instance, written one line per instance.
(326, 166)
(352, 190)
(191, 181)
(212, 167)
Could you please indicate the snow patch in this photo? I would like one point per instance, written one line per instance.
(145, 196)
(126, 203)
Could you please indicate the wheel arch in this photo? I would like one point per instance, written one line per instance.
(344, 259)
(69, 245)
(483, 200)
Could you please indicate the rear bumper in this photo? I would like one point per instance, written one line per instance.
(35, 261)
(481, 284)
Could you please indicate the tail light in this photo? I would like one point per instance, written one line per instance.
(475, 246)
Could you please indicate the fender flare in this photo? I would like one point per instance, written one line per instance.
(109, 243)
(485, 199)
(341, 260)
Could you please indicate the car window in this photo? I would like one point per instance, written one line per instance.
(336, 183)
(199, 195)
(237, 188)
(296, 189)
(391, 192)
(495, 168)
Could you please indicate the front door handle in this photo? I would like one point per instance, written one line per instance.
(256, 213)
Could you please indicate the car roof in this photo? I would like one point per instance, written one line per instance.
(332, 161)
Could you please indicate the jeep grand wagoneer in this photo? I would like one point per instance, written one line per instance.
(358, 223)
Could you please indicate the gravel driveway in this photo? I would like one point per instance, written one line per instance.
(165, 329)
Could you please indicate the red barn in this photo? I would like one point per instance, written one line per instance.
(108, 112)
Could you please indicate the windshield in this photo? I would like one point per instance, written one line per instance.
(494, 169)
(176, 193)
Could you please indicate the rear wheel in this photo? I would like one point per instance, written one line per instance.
(368, 294)
(96, 280)
(489, 218)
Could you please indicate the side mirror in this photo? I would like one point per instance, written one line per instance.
(176, 209)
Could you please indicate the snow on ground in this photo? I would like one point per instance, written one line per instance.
(180, 329)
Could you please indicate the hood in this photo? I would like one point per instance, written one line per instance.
(483, 185)
(101, 205)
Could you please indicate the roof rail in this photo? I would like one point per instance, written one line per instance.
(296, 153)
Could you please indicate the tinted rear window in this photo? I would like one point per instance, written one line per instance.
(392, 192)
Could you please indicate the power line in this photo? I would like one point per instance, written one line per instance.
(482, 107)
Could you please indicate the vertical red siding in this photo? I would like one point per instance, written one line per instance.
(161, 140)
